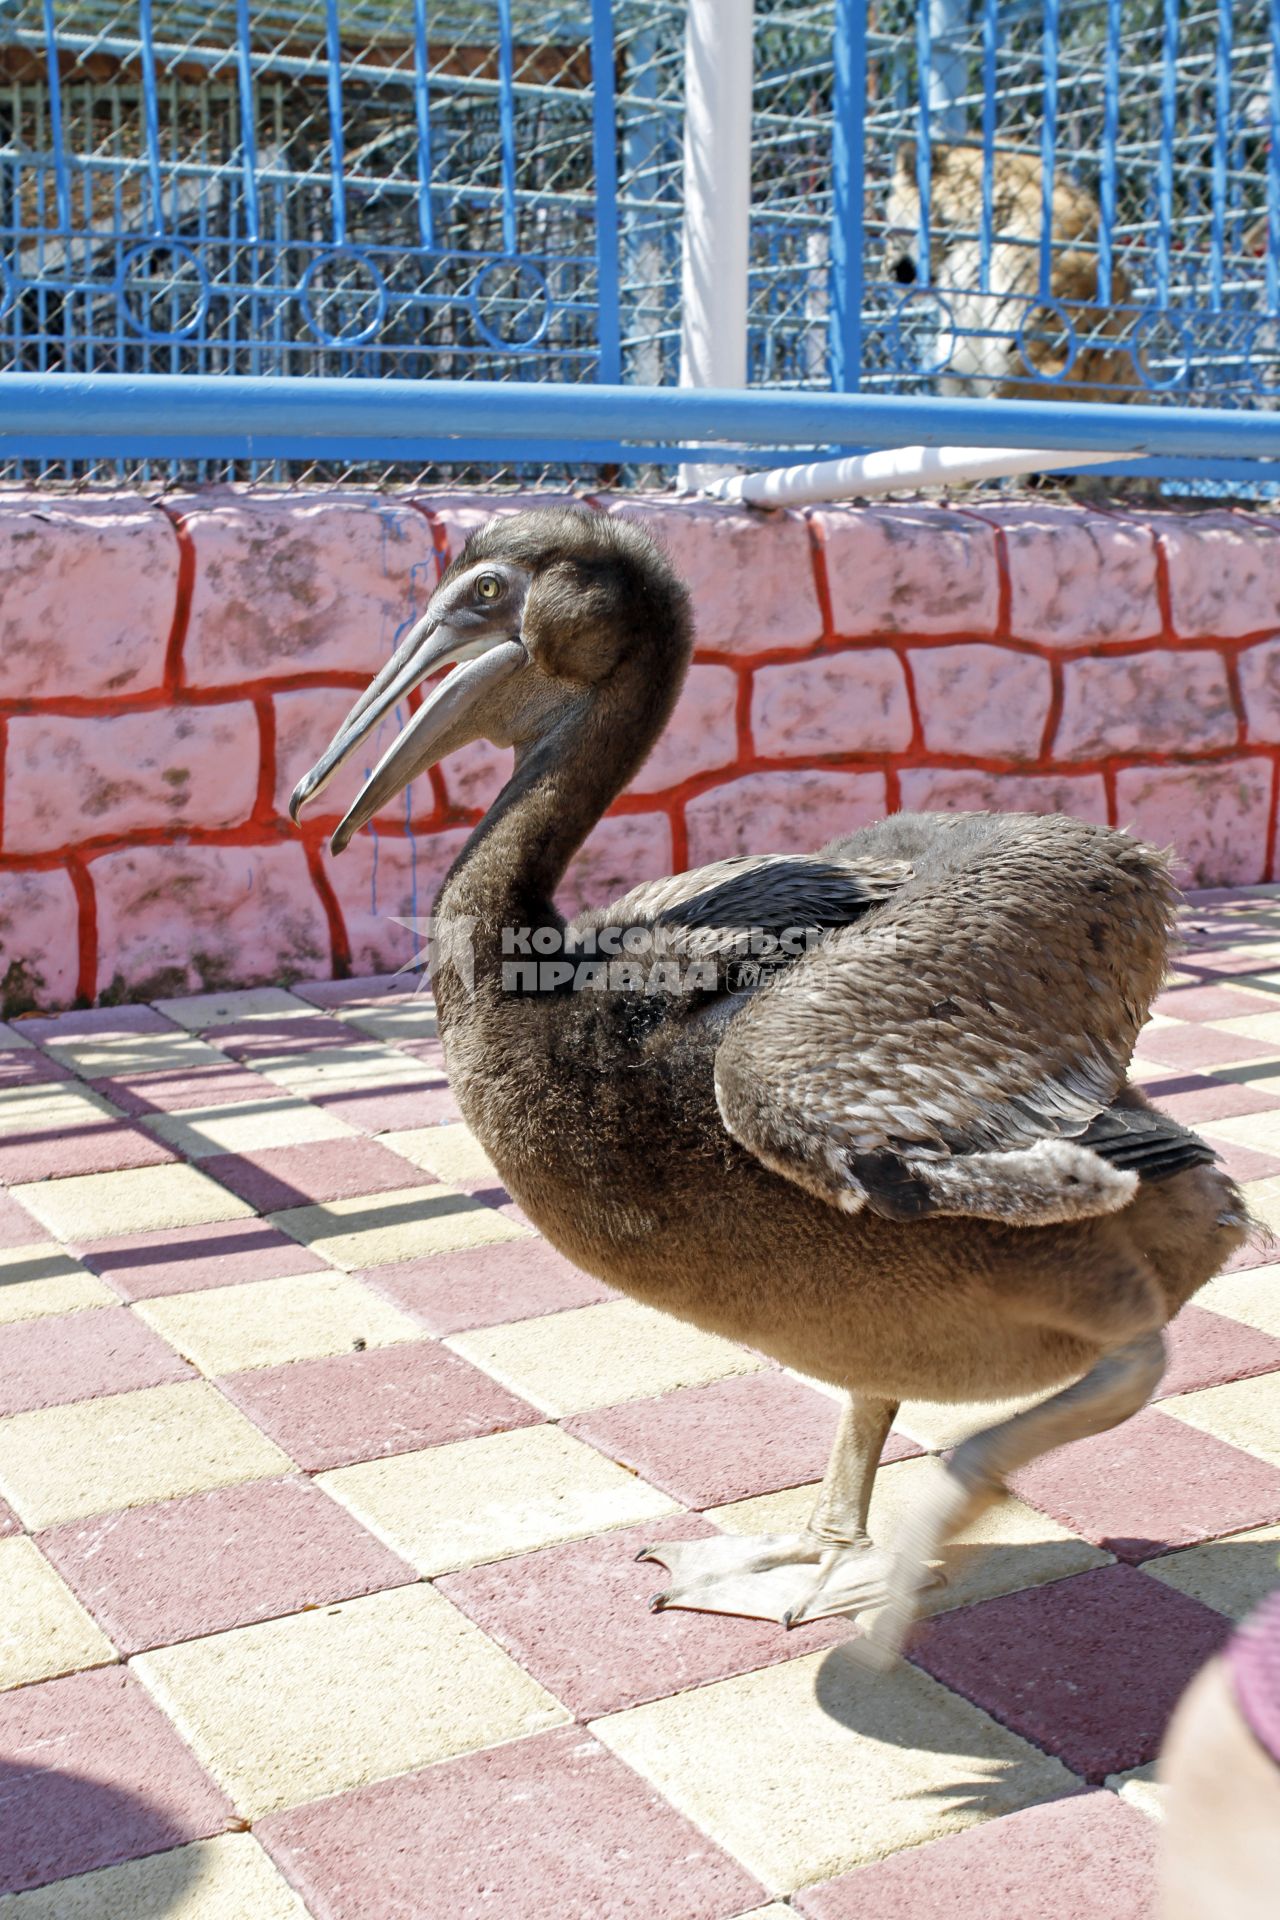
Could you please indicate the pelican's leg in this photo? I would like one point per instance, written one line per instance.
(1116, 1387)
(786, 1576)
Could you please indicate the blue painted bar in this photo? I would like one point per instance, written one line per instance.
(1221, 127)
(151, 114)
(924, 134)
(990, 51)
(507, 112)
(248, 121)
(422, 117)
(1048, 144)
(1110, 134)
(337, 144)
(61, 179)
(848, 159)
(1273, 166)
(187, 412)
(605, 155)
(1164, 165)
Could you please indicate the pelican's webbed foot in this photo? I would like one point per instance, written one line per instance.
(788, 1577)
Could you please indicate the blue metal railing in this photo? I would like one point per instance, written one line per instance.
(1013, 199)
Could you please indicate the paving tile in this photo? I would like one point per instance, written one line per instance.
(228, 1878)
(303, 1032)
(46, 1109)
(221, 1253)
(359, 1065)
(1246, 1414)
(1252, 1296)
(94, 1774)
(1085, 1854)
(552, 1825)
(1245, 1163)
(1150, 1483)
(807, 1769)
(1192, 1000)
(366, 989)
(420, 1103)
(938, 1424)
(1200, 1045)
(372, 1230)
(54, 1154)
(43, 1628)
(88, 1021)
(577, 1618)
(323, 1701)
(17, 1227)
(407, 1019)
(226, 1085)
(1009, 1547)
(26, 1066)
(744, 1435)
(507, 1493)
(274, 1178)
(1089, 1668)
(42, 1279)
(1256, 1130)
(78, 1356)
(197, 1011)
(595, 1356)
(365, 1406)
(484, 1286)
(1208, 1348)
(1141, 1789)
(92, 1205)
(1263, 1200)
(9, 1521)
(267, 1323)
(250, 1126)
(60, 1463)
(1257, 1023)
(95, 1056)
(452, 1153)
(216, 1560)
(1232, 1575)
(1197, 1100)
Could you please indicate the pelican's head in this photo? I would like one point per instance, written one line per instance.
(539, 613)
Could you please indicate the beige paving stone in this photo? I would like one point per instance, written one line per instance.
(60, 1107)
(1233, 1575)
(488, 1499)
(199, 1010)
(287, 1121)
(265, 1323)
(229, 1878)
(375, 1230)
(1253, 1295)
(1141, 1788)
(1254, 1026)
(89, 1206)
(411, 1020)
(337, 1069)
(127, 1450)
(775, 1912)
(1245, 1413)
(1009, 1547)
(1262, 1197)
(331, 1699)
(937, 1424)
(97, 1055)
(1258, 1130)
(43, 1279)
(816, 1766)
(43, 1628)
(451, 1152)
(597, 1356)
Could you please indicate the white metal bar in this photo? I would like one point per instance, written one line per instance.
(889, 470)
(717, 201)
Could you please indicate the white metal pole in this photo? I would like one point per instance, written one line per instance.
(717, 201)
(891, 470)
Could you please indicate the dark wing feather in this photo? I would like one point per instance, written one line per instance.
(992, 1002)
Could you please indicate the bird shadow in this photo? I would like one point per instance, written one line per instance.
(56, 1825)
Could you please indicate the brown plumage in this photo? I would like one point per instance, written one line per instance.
(898, 1154)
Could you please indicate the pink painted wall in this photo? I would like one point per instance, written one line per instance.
(168, 670)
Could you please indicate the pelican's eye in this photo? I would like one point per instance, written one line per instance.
(489, 586)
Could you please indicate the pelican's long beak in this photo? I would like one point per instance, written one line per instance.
(430, 645)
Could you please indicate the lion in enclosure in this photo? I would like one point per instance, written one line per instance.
(986, 355)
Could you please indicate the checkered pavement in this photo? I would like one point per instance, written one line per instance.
(322, 1477)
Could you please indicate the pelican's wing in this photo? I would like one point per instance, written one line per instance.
(992, 1004)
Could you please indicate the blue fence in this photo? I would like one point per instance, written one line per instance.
(1011, 199)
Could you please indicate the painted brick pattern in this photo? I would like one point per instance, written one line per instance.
(850, 660)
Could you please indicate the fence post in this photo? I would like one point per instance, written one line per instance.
(848, 266)
(717, 201)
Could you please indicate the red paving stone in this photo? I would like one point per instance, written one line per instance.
(374, 1109)
(61, 1357)
(9, 1521)
(577, 1617)
(1200, 1002)
(705, 1446)
(1246, 1163)
(53, 1153)
(1208, 1349)
(17, 1228)
(368, 989)
(485, 1286)
(1088, 1855)
(1150, 1483)
(1201, 1046)
(28, 1067)
(272, 1038)
(154, 1575)
(552, 1825)
(278, 1177)
(1194, 1099)
(175, 1090)
(1089, 1668)
(92, 1773)
(363, 1406)
(225, 1253)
